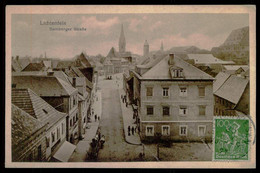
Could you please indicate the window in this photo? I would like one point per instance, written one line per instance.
(52, 137)
(149, 110)
(202, 91)
(71, 122)
(45, 111)
(177, 72)
(183, 130)
(183, 91)
(74, 101)
(201, 130)
(202, 110)
(149, 91)
(62, 128)
(165, 130)
(47, 142)
(165, 92)
(183, 110)
(39, 152)
(166, 110)
(58, 133)
(149, 130)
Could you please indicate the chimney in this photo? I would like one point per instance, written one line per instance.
(74, 82)
(171, 59)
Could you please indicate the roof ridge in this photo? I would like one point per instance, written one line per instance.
(224, 81)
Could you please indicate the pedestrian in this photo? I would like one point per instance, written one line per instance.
(126, 104)
(98, 118)
(95, 117)
(128, 130)
(133, 129)
(133, 115)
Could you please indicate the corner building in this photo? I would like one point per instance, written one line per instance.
(174, 99)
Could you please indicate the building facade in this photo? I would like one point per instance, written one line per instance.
(28, 137)
(176, 103)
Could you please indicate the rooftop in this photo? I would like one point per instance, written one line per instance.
(34, 105)
(23, 126)
(229, 87)
(160, 69)
(42, 84)
(207, 59)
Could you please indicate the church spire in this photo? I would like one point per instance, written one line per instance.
(161, 46)
(122, 42)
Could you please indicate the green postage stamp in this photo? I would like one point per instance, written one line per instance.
(231, 139)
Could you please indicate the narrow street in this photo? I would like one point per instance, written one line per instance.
(115, 147)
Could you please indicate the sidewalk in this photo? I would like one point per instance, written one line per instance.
(128, 120)
(80, 153)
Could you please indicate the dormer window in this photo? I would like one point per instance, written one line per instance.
(45, 111)
(177, 73)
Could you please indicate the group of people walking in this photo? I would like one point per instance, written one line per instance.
(133, 130)
(124, 100)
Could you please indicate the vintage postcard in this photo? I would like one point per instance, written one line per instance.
(131, 86)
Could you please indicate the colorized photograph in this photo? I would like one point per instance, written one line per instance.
(135, 87)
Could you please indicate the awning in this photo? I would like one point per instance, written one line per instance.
(64, 152)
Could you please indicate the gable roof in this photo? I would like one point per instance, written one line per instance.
(161, 70)
(112, 53)
(23, 126)
(232, 89)
(219, 80)
(42, 84)
(61, 75)
(64, 64)
(34, 67)
(85, 62)
(36, 106)
(20, 63)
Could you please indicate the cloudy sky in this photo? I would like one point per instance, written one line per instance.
(102, 32)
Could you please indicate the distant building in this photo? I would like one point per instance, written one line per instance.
(122, 41)
(207, 63)
(36, 67)
(174, 99)
(161, 46)
(58, 93)
(34, 105)
(146, 49)
(231, 95)
(239, 70)
(18, 64)
(28, 137)
(207, 60)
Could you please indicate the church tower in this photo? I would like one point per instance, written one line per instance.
(146, 49)
(122, 42)
(161, 46)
